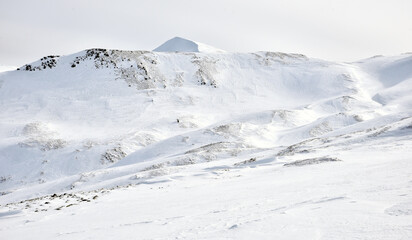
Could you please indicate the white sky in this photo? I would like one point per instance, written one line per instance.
(342, 30)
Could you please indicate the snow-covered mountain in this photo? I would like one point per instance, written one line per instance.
(253, 140)
(178, 44)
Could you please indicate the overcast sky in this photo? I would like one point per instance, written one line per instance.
(342, 30)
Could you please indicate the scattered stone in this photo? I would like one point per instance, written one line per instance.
(245, 162)
(311, 161)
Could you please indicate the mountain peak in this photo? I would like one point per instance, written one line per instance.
(178, 44)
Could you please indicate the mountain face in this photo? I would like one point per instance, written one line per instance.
(102, 119)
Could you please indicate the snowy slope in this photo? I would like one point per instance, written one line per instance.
(185, 136)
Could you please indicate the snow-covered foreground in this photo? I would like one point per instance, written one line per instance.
(364, 196)
(107, 144)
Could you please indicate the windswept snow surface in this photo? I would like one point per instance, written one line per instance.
(105, 144)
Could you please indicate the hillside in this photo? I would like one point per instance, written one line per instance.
(217, 144)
